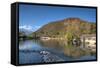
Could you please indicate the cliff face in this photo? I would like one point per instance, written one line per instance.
(61, 27)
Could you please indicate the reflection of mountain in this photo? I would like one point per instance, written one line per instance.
(74, 25)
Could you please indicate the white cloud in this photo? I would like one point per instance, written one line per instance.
(28, 27)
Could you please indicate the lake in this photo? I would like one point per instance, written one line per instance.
(40, 51)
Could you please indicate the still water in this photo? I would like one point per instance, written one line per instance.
(39, 51)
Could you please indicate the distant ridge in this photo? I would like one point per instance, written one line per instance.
(75, 25)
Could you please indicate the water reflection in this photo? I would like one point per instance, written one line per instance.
(68, 49)
(59, 50)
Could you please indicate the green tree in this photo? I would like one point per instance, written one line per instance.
(69, 37)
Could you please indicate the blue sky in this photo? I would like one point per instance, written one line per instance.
(33, 17)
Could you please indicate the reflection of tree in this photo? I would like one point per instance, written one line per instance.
(75, 52)
(68, 49)
(56, 44)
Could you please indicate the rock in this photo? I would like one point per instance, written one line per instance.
(48, 57)
(44, 52)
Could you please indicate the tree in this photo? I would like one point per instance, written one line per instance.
(69, 37)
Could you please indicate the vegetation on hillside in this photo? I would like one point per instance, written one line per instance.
(68, 28)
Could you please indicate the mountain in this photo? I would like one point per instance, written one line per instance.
(24, 31)
(74, 25)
